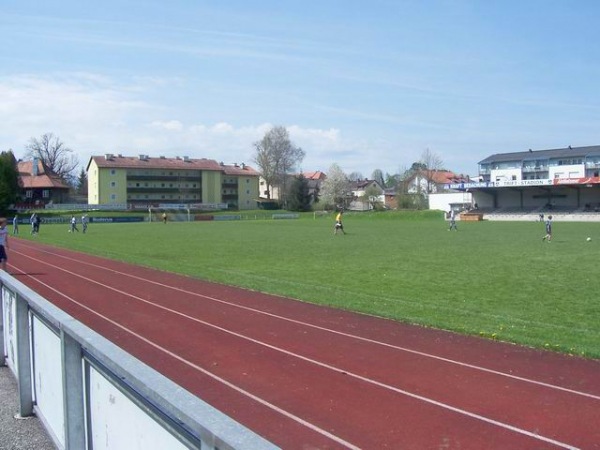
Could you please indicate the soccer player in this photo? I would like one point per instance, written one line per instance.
(548, 236)
(338, 223)
(452, 221)
(84, 222)
(73, 225)
(16, 224)
(3, 243)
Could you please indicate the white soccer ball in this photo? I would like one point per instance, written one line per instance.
(589, 239)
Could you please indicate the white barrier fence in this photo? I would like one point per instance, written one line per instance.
(90, 394)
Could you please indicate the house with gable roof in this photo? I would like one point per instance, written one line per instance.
(40, 185)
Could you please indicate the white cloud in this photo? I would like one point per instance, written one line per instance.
(93, 115)
(170, 125)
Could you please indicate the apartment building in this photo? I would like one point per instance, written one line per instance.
(141, 181)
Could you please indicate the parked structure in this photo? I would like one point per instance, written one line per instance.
(143, 181)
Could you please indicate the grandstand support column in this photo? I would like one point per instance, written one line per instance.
(73, 392)
(23, 362)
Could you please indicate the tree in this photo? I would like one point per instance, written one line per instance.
(355, 176)
(431, 163)
(299, 197)
(377, 175)
(54, 154)
(9, 181)
(371, 196)
(392, 180)
(82, 183)
(335, 189)
(276, 157)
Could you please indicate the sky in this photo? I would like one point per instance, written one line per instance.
(362, 84)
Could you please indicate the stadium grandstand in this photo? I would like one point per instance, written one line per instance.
(564, 182)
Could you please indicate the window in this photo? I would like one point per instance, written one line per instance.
(45, 193)
(113, 172)
(113, 196)
(113, 184)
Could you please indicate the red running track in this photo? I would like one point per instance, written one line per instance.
(309, 377)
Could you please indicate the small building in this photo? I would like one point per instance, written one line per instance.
(359, 189)
(315, 180)
(40, 186)
(143, 181)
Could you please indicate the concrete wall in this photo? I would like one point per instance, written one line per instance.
(90, 394)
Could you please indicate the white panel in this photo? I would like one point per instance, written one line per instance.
(9, 308)
(118, 423)
(48, 377)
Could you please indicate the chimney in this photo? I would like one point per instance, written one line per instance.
(34, 167)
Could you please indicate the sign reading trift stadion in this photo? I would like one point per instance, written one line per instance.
(523, 183)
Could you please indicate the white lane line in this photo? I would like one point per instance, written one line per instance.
(303, 358)
(340, 333)
(195, 366)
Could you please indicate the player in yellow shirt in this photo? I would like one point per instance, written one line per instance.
(338, 223)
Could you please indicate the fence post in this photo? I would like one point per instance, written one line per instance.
(23, 362)
(73, 392)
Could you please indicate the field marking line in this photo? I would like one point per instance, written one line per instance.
(341, 333)
(236, 388)
(292, 354)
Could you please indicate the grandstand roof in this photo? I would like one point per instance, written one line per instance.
(567, 152)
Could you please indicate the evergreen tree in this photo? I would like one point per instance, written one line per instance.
(299, 197)
(82, 182)
(9, 181)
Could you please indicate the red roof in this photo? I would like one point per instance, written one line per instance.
(45, 178)
(179, 163)
(446, 176)
(317, 175)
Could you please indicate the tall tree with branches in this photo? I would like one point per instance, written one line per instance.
(276, 156)
(55, 155)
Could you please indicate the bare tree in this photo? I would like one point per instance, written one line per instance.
(276, 157)
(355, 176)
(377, 175)
(431, 163)
(54, 154)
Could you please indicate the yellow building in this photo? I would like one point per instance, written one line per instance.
(143, 181)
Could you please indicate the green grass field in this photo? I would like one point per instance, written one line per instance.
(497, 280)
